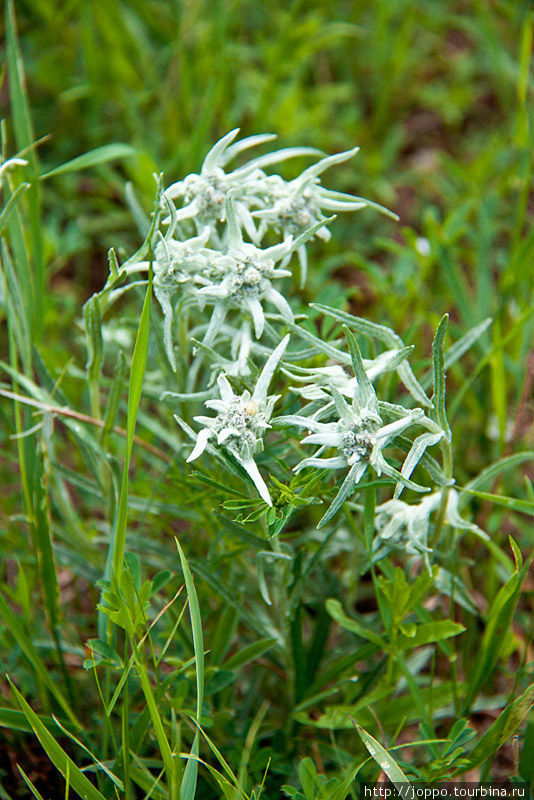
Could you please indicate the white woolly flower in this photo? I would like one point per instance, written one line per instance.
(175, 264)
(242, 278)
(359, 435)
(399, 524)
(203, 196)
(241, 420)
(298, 204)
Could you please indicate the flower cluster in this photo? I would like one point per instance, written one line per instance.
(226, 246)
(216, 267)
(203, 197)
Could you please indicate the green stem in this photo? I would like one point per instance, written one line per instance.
(282, 608)
(125, 729)
(446, 449)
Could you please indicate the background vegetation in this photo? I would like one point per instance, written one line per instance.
(440, 102)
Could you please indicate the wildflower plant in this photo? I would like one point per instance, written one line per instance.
(238, 297)
(331, 611)
(343, 447)
(299, 429)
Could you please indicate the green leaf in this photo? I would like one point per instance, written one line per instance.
(335, 610)
(502, 729)
(438, 398)
(457, 350)
(219, 681)
(137, 374)
(385, 761)
(113, 778)
(10, 205)
(428, 632)
(503, 465)
(134, 566)
(103, 649)
(518, 557)
(345, 491)
(383, 334)
(391, 711)
(101, 155)
(189, 781)
(93, 335)
(307, 776)
(497, 626)
(249, 653)
(25, 138)
(114, 397)
(513, 503)
(18, 305)
(36, 793)
(366, 393)
(16, 630)
(43, 540)
(15, 720)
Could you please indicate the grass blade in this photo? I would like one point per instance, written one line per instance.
(497, 626)
(438, 398)
(27, 647)
(101, 155)
(55, 752)
(25, 137)
(189, 782)
(502, 729)
(384, 760)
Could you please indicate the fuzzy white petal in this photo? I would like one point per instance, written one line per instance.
(200, 446)
(250, 466)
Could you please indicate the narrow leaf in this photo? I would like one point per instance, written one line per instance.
(438, 398)
(384, 760)
(189, 781)
(101, 155)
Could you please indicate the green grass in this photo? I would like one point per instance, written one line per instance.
(264, 654)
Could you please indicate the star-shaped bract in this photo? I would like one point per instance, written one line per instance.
(203, 195)
(242, 277)
(358, 435)
(241, 420)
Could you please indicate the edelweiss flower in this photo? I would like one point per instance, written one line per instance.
(407, 526)
(241, 278)
(204, 195)
(298, 204)
(177, 263)
(394, 358)
(359, 435)
(242, 420)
